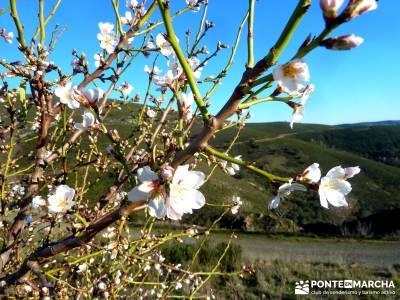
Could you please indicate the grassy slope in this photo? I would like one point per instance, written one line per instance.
(381, 143)
(276, 148)
(375, 189)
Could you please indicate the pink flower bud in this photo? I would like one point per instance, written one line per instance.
(330, 7)
(167, 173)
(344, 42)
(358, 7)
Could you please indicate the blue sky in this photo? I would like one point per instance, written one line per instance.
(351, 86)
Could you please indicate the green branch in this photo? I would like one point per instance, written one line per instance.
(42, 23)
(287, 32)
(117, 17)
(250, 35)
(182, 60)
(18, 24)
(48, 18)
(244, 164)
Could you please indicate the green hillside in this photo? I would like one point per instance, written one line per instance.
(380, 143)
(278, 149)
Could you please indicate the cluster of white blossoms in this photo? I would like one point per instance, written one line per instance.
(293, 77)
(73, 98)
(186, 101)
(231, 168)
(107, 37)
(175, 70)
(172, 196)
(59, 201)
(17, 191)
(332, 188)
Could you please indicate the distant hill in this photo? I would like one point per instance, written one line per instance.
(278, 149)
(379, 143)
(377, 123)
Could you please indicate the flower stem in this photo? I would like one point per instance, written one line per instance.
(244, 164)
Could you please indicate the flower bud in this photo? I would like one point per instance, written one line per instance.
(358, 7)
(167, 173)
(344, 42)
(330, 8)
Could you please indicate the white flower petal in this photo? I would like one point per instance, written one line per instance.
(157, 207)
(336, 172)
(351, 171)
(188, 179)
(312, 173)
(322, 199)
(336, 198)
(146, 174)
(137, 195)
(275, 202)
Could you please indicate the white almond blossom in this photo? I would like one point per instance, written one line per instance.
(299, 108)
(193, 4)
(151, 113)
(132, 4)
(154, 71)
(164, 46)
(61, 200)
(82, 268)
(292, 76)
(127, 19)
(334, 186)
(9, 37)
(17, 191)
(88, 121)
(164, 81)
(237, 203)
(231, 168)
(126, 89)
(312, 174)
(186, 102)
(107, 37)
(66, 95)
(284, 191)
(194, 63)
(183, 194)
(175, 66)
(98, 60)
(38, 201)
(93, 95)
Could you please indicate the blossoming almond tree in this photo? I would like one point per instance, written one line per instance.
(61, 239)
